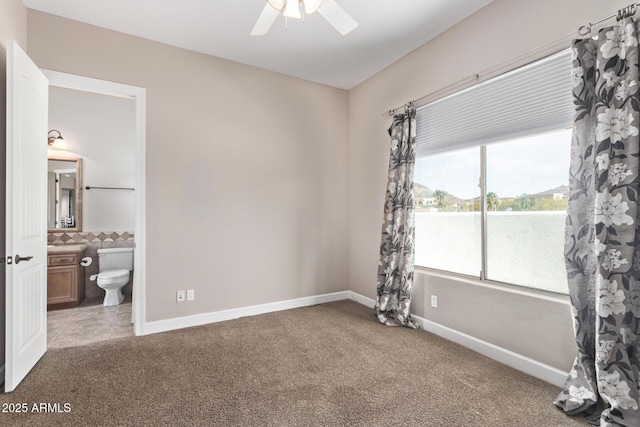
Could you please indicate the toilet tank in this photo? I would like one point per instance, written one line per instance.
(115, 259)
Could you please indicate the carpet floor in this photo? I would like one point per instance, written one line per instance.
(328, 365)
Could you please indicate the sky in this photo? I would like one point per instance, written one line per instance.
(527, 165)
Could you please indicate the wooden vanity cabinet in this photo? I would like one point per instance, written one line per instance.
(65, 280)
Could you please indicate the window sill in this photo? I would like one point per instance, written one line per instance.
(499, 286)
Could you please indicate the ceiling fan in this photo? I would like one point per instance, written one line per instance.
(328, 9)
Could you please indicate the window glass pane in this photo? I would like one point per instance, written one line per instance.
(527, 189)
(447, 215)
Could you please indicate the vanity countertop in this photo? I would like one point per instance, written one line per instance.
(65, 249)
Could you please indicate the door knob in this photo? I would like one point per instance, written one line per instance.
(18, 258)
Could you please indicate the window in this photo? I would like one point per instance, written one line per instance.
(447, 217)
(527, 194)
(491, 190)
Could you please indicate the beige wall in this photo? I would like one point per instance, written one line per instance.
(13, 25)
(246, 201)
(535, 327)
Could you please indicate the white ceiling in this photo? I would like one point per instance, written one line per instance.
(313, 50)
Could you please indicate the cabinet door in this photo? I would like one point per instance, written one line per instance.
(62, 288)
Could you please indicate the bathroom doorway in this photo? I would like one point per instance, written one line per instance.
(112, 203)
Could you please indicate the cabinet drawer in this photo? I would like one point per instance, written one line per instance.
(63, 259)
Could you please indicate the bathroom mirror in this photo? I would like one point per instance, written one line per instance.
(64, 194)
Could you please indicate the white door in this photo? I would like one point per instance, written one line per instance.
(26, 280)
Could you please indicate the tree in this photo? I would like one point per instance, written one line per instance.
(440, 198)
(492, 201)
(525, 202)
(551, 205)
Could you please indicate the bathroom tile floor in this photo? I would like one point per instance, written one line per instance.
(89, 322)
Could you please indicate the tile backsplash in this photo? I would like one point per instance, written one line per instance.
(78, 237)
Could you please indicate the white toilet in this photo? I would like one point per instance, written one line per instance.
(114, 266)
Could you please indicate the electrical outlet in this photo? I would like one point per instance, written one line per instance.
(191, 295)
(180, 296)
(434, 301)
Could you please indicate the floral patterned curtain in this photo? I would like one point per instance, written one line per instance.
(602, 235)
(395, 270)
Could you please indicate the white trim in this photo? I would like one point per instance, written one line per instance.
(139, 290)
(517, 361)
(139, 95)
(354, 296)
(88, 84)
(234, 313)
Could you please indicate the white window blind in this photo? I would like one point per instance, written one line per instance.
(532, 99)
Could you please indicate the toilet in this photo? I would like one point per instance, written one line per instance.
(114, 266)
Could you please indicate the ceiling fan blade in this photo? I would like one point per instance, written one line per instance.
(265, 20)
(337, 16)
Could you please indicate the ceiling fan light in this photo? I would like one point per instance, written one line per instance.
(292, 9)
(310, 6)
(277, 4)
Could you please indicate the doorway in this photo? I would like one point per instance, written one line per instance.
(137, 95)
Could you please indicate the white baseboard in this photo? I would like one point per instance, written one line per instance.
(221, 316)
(361, 299)
(517, 361)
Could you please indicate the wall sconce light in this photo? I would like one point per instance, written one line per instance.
(56, 141)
